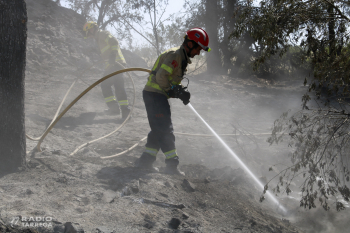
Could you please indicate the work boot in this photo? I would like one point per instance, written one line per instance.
(125, 111)
(146, 162)
(173, 170)
(171, 167)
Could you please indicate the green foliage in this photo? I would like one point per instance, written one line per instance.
(333, 75)
(310, 35)
(320, 139)
(288, 65)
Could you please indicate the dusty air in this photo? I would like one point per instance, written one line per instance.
(174, 116)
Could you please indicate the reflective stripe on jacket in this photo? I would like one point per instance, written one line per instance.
(107, 43)
(168, 69)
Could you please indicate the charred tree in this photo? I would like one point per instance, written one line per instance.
(13, 37)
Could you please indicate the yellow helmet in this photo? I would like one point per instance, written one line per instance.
(89, 25)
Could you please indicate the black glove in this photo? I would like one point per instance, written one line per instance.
(172, 94)
(174, 91)
(178, 91)
(185, 96)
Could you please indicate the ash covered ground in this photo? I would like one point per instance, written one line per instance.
(83, 192)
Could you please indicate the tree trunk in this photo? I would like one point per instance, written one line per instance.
(13, 37)
(212, 26)
(331, 31)
(228, 9)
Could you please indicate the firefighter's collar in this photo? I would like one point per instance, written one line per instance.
(184, 55)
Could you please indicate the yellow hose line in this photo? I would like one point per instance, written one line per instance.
(81, 95)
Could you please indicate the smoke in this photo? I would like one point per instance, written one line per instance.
(243, 106)
(321, 221)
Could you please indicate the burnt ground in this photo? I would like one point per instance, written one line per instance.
(82, 191)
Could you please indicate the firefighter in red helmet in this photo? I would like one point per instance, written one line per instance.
(163, 83)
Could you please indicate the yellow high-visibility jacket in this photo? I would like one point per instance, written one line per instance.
(106, 43)
(168, 70)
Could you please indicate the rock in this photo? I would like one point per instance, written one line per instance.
(109, 196)
(163, 194)
(201, 204)
(252, 222)
(126, 191)
(188, 186)
(135, 187)
(207, 180)
(29, 192)
(285, 221)
(149, 224)
(32, 164)
(174, 223)
(57, 152)
(70, 227)
(185, 215)
(104, 230)
(143, 181)
(168, 184)
(58, 228)
(62, 179)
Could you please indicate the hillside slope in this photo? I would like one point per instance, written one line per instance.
(83, 192)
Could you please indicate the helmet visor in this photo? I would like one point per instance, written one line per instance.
(205, 48)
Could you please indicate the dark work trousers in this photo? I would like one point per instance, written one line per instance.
(159, 118)
(117, 81)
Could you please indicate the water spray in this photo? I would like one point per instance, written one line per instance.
(274, 199)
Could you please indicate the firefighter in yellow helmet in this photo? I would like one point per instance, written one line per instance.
(113, 61)
(163, 83)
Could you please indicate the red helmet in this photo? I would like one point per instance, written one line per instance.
(200, 37)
